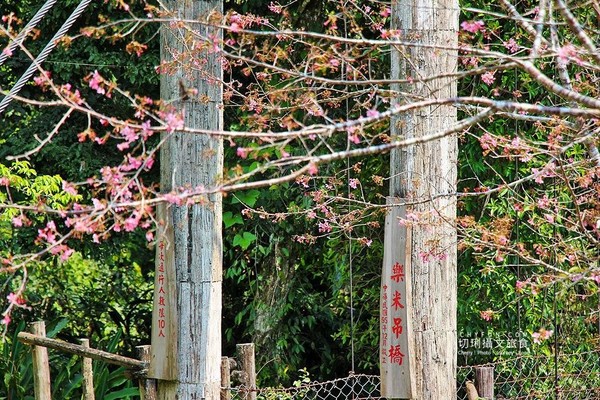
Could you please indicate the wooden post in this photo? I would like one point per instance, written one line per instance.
(471, 391)
(423, 177)
(246, 357)
(484, 381)
(41, 369)
(147, 386)
(225, 378)
(88, 374)
(193, 89)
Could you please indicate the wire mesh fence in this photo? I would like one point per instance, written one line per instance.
(355, 386)
(573, 376)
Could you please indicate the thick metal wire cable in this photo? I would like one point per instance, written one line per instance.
(44, 54)
(30, 25)
(350, 259)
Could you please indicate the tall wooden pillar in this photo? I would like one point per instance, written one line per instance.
(424, 177)
(186, 332)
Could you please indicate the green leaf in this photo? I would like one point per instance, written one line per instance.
(248, 198)
(123, 394)
(244, 240)
(229, 219)
(58, 327)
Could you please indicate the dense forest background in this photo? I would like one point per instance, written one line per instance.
(301, 288)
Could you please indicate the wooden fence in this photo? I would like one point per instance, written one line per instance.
(137, 369)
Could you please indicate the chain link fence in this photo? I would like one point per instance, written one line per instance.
(574, 376)
(356, 386)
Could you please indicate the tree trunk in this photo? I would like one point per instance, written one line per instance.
(189, 160)
(420, 174)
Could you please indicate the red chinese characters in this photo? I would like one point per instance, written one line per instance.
(393, 316)
(396, 301)
(395, 354)
(397, 327)
(384, 321)
(160, 281)
(398, 272)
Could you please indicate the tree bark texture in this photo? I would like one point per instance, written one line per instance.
(424, 176)
(190, 160)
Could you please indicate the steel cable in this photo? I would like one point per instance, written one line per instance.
(44, 54)
(30, 25)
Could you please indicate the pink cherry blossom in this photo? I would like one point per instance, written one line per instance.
(48, 234)
(512, 45)
(488, 78)
(95, 82)
(275, 8)
(242, 152)
(372, 113)
(486, 315)
(173, 198)
(324, 227)
(567, 52)
(541, 335)
(472, 26)
(174, 122)
(132, 222)
(69, 188)
(63, 250)
(15, 299)
(17, 221)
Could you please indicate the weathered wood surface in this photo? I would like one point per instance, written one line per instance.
(163, 358)
(397, 356)
(110, 358)
(88, 373)
(471, 391)
(41, 367)
(246, 358)
(194, 161)
(147, 385)
(225, 378)
(424, 172)
(484, 381)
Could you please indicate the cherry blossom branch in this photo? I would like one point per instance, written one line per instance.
(45, 141)
(578, 30)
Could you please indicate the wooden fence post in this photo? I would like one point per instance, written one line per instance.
(225, 378)
(41, 369)
(88, 374)
(147, 385)
(246, 357)
(484, 381)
